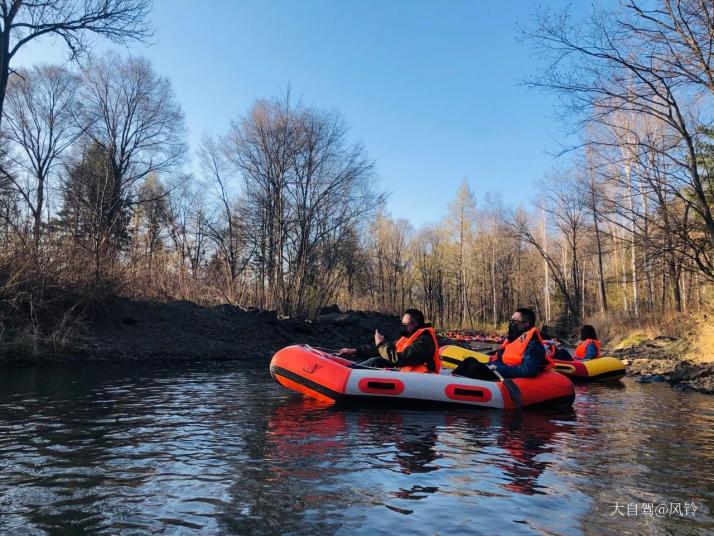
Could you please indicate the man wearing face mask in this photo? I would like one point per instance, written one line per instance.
(415, 351)
(522, 354)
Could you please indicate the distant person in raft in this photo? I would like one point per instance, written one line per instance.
(415, 351)
(589, 347)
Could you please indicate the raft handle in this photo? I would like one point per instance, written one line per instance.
(381, 386)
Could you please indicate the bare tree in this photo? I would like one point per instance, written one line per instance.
(69, 20)
(226, 229)
(462, 218)
(680, 34)
(566, 212)
(430, 266)
(593, 197)
(651, 60)
(151, 219)
(306, 187)
(9, 196)
(187, 227)
(41, 122)
(90, 212)
(132, 116)
(260, 145)
(389, 258)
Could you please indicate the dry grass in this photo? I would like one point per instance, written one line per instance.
(695, 333)
(479, 328)
(47, 299)
(40, 314)
(703, 340)
(622, 332)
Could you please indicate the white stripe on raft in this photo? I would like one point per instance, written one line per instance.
(424, 386)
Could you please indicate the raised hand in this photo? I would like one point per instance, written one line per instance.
(378, 337)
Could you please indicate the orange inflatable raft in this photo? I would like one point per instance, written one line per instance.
(325, 377)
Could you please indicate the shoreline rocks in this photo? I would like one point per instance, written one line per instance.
(660, 360)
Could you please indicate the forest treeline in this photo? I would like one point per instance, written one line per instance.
(283, 210)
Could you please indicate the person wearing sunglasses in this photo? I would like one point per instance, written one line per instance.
(415, 351)
(522, 354)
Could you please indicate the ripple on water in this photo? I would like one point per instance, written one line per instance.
(219, 448)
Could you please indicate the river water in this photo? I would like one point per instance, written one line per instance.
(219, 448)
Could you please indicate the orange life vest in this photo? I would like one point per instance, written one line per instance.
(404, 342)
(513, 352)
(582, 348)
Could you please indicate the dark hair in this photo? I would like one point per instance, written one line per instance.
(587, 332)
(416, 315)
(527, 314)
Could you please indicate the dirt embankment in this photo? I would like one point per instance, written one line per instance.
(662, 359)
(123, 329)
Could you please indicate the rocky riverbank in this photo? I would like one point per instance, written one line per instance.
(121, 329)
(124, 329)
(661, 359)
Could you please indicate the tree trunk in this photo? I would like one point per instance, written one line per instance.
(633, 263)
(623, 265)
(601, 271)
(493, 283)
(4, 63)
(546, 285)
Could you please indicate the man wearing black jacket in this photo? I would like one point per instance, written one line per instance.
(416, 350)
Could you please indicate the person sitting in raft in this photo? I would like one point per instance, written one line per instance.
(522, 354)
(589, 347)
(550, 343)
(415, 351)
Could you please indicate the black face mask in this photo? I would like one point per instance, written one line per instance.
(407, 330)
(516, 330)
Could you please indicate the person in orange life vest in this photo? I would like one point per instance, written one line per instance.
(522, 354)
(415, 351)
(589, 347)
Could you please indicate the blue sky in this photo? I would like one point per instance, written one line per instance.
(430, 88)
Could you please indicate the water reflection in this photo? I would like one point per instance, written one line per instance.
(411, 442)
(524, 439)
(219, 448)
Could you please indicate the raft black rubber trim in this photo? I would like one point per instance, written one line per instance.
(470, 391)
(307, 383)
(391, 402)
(566, 400)
(610, 375)
(613, 374)
(383, 385)
(377, 401)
